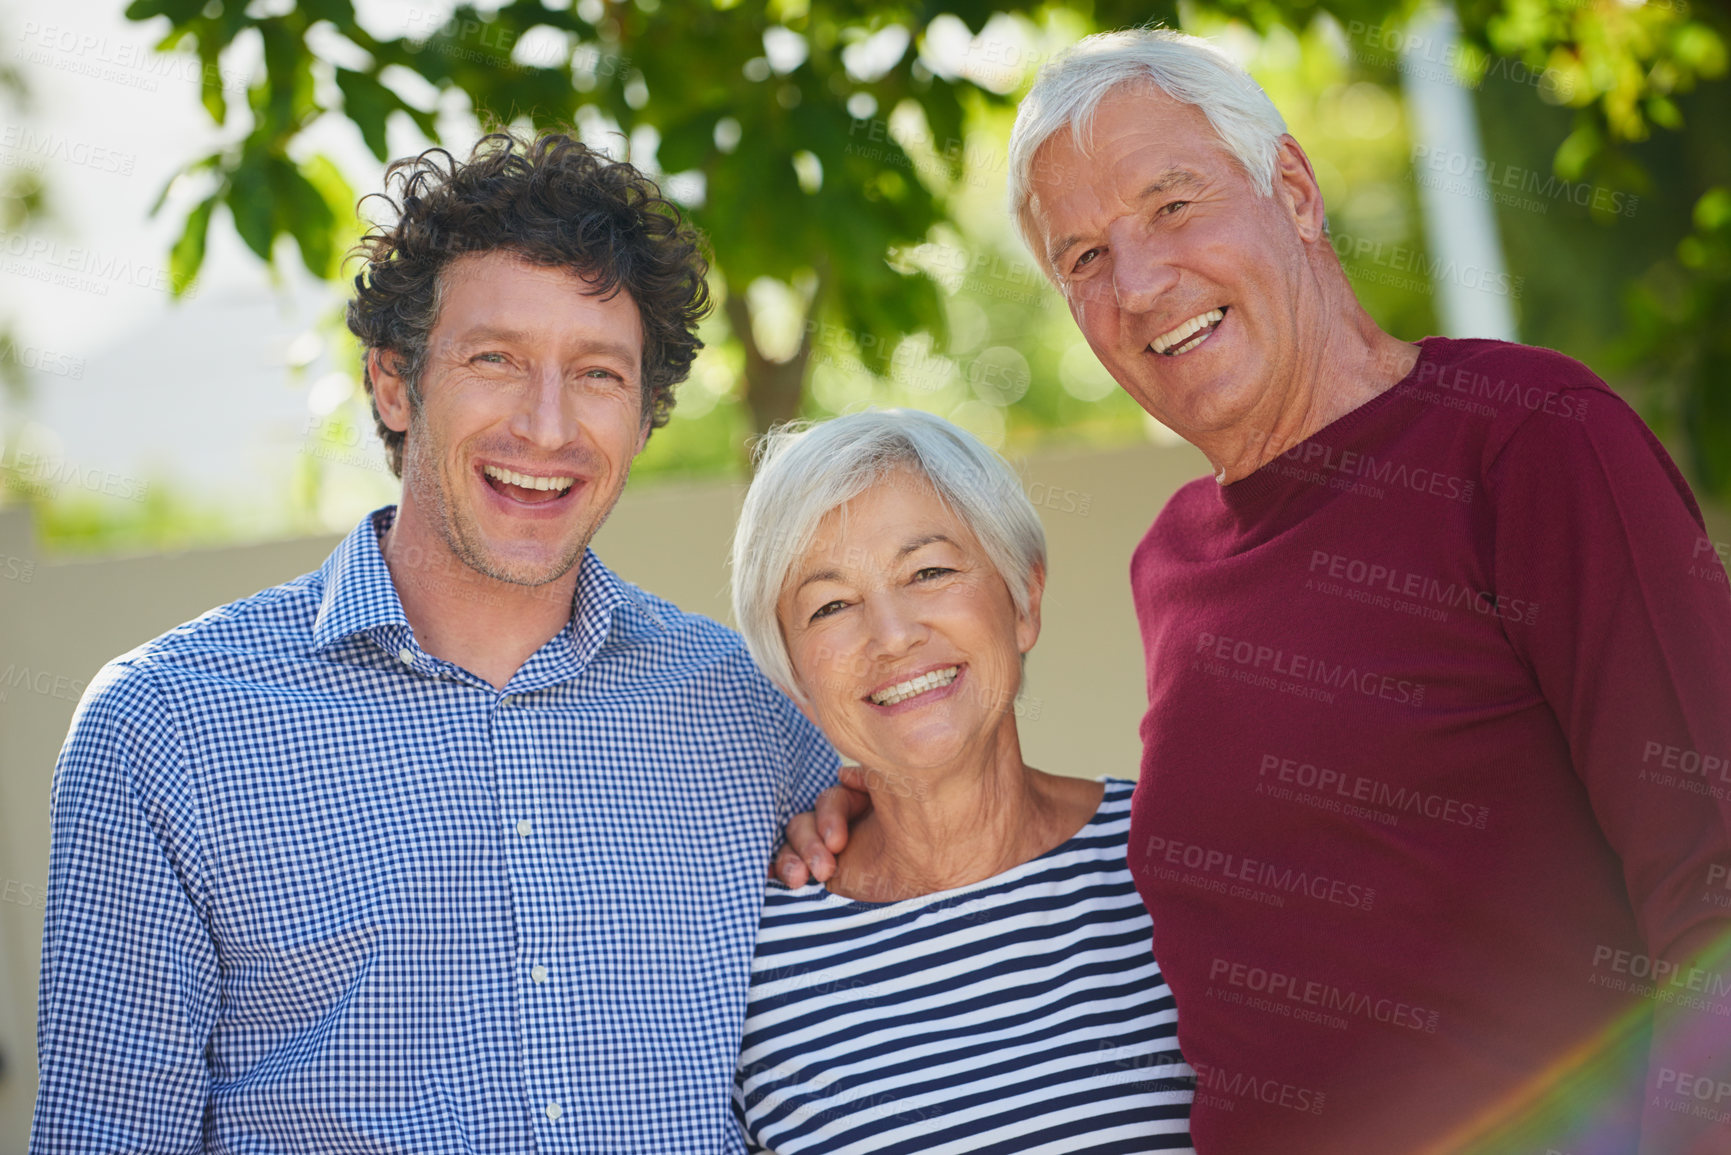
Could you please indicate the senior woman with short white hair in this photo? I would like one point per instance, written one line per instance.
(975, 976)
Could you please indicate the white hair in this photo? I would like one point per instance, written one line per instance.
(1186, 68)
(807, 470)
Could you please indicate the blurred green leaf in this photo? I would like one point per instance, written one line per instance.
(250, 200)
(367, 103)
(187, 256)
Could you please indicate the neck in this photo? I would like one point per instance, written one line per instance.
(487, 626)
(1353, 362)
(937, 830)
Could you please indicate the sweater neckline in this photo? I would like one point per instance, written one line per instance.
(1115, 798)
(1249, 495)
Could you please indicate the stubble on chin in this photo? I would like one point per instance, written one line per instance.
(458, 528)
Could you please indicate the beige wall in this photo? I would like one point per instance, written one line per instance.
(60, 621)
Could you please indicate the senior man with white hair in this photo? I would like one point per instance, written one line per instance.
(1435, 788)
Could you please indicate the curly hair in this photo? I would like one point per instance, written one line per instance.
(552, 201)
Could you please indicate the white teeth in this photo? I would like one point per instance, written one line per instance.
(1167, 340)
(524, 481)
(902, 691)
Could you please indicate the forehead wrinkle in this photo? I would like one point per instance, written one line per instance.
(1175, 177)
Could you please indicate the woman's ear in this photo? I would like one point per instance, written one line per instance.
(1028, 622)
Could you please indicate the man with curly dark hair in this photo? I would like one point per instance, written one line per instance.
(399, 855)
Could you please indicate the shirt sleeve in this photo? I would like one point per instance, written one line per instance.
(1631, 647)
(811, 761)
(129, 990)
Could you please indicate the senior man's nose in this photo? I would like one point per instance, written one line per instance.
(1142, 273)
(544, 416)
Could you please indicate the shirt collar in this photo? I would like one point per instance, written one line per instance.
(360, 598)
(358, 594)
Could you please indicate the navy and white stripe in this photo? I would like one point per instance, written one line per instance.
(1022, 1013)
(313, 888)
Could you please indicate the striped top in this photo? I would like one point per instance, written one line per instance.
(1020, 1013)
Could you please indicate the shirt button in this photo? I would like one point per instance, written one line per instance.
(538, 973)
(406, 656)
(524, 827)
(554, 1111)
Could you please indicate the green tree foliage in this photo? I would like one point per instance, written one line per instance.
(754, 98)
(820, 153)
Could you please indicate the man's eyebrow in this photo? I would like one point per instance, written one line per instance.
(1172, 178)
(1060, 247)
(483, 334)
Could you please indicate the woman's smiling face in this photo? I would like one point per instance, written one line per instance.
(904, 639)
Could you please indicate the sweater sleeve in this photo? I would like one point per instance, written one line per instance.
(1631, 646)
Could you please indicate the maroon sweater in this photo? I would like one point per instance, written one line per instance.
(1437, 778)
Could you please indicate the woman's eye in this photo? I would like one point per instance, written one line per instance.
(827, 609)
(1173, 206)
(932, 571)
(491, 358)
(1083, 261)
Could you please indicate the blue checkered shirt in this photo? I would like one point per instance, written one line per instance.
(313, 889)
